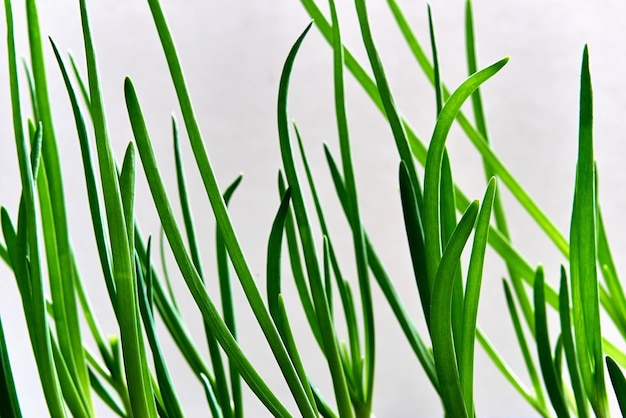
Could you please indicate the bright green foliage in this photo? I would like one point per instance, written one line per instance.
(129, 372)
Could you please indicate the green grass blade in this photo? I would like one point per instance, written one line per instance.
(168, 393)
(105, 395)
(472, 294)
(619, 383)
(510, 375)
(354, 217)
(297, 270)
(135, 362)
(127, 190)
(585, 298)
(608, 269)
(221, 383)
(274, 250)
(172, 319)
(550, 377)
(210, 396)
(523, 344)
(274, 297)
(441, 317)
(194, 283)
(70, 392)
(84, 89)
(432, 170)
(570, 349)
(9, 403)
(90, 179)
(415, 237)
(315, 278)
(228, 307)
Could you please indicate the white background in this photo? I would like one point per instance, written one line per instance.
(233, 53)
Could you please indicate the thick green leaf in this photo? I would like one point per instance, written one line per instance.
(551, 379)
(432, 170)
(619, 383)
(585, 294)
(465, 348)
(441, 317)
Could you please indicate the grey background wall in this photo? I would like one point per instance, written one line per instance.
(233, 53)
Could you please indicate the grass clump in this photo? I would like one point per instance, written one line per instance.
(130, 373)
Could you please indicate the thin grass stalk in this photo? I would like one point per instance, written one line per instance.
(135, 363)
(354, 217)
(318, 294)
(221, 383)
(228, 307)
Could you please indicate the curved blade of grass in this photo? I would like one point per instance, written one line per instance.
(135, 362)
(447, 213)
(441, 317)
(9, 403)
(104, 394)
(172, 319)
(465, 347)
(570, 349)
(35, 312)
(90, 179)
(315, 278)
(583, 255)
(127, 190)
(72, 397)
(354, 217)
(274, 297)
(228, 307)
(194, 283)
(415, 237)
(510, 375)
(523, 344)
(292, 348)
(297, 270)
(432, 170)
(619, 383)
(216, 411)
(550, 377)
(84, 90)
(274, 249)
(609, 271)
(168, 393)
